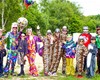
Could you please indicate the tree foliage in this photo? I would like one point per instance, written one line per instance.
(49, 14)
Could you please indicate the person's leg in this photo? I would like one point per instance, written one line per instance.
(72, 66)
(63, 61)
(85, 62)
(1, 67)
(14, 58)
(6, 68)
(46, 62)
(98, 60)
(67, 66)
(31, 58)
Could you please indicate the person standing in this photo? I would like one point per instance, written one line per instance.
(31, 55)
(56, 56)
(87, 39)
(63, 36)
(47, 52)
(69, 47)
(12, 44)
(98, 46)
(91, 58)
(22, 51)
(2, 52)
(81, 52)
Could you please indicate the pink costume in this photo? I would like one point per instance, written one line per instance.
(31, 56)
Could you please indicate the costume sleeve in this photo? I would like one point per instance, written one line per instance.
(8, 33)
(85, 51)
(26, 47)
(4, 52)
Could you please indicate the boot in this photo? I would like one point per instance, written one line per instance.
(21, 71)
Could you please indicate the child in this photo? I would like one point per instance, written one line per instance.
(91, 57)
(2, 52)
(22, 51)
(81, 52)
(70, 55)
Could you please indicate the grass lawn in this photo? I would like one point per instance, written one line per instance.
(41, 76)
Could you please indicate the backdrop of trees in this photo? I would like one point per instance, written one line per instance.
(49, 14)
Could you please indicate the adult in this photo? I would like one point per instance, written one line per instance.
(56, 56)
(87, 39)
(47, 52)
(98, 46)
(63, 36)
(31, 55)
(12, 43)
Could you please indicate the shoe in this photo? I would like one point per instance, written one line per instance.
(54, 74)
(5, 75)
(46, 74)
(63, 72)
(79, 76)
(49, 73)
(13, 74)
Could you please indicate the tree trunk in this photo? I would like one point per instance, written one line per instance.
(3, 15)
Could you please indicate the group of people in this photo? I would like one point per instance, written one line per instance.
(51, 48)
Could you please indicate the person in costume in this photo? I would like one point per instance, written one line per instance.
(98, 46)
(56, 56)
(91, 58)
(87, 39)
(22, 51)
(2, 52)
(63, 36)
(47, 52)
(69, 47)
(39, 41)
(81, 52)
(12, 44)
(31, 55)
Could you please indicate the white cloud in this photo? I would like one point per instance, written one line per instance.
(90, 7)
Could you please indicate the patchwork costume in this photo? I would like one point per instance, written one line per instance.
(31, 56)
(87, 40)
(70, 55)
(12, 51)
(2, 54)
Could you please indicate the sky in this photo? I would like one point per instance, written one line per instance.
(89, 7)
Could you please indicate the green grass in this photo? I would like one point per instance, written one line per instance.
(42, 77)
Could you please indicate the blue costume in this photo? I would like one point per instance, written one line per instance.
(12, 51)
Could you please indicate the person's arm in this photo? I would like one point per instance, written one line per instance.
(85, 51)
(4, 52)
(26, 47)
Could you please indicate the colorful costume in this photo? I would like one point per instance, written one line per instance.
(81, 52)
(98, 54)
(12, 51)
(22, 51)
(31, 56)
(2, 54)
(91, 60)
(70, 55)
(87, 40)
